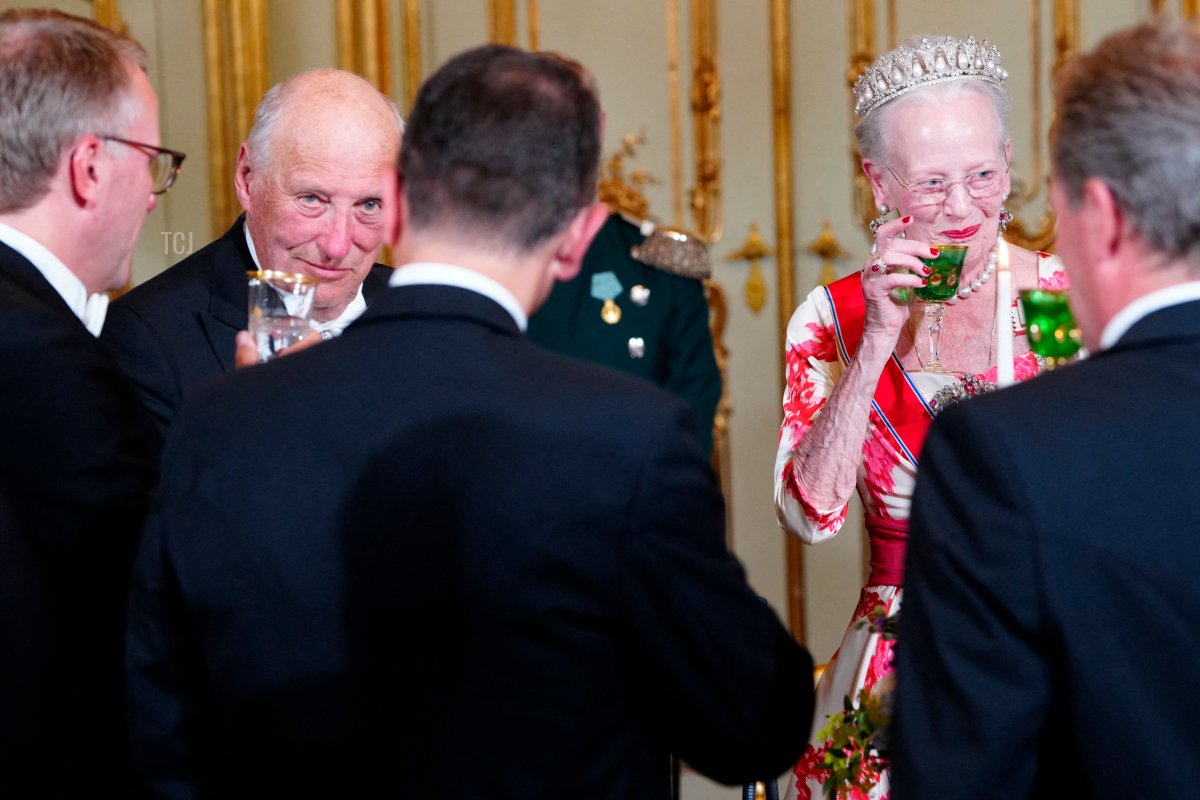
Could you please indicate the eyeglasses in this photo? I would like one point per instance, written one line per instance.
(934, 191)
(164, 163)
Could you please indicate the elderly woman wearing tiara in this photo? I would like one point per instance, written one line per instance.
(860, 392)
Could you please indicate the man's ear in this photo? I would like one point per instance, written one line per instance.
(1106, 221)
(85, 170)
(243, 175)
(574, 244)
(395, 210)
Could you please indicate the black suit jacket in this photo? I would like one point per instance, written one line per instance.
(1051, 586)
(432, 559)
(176, 331)
(75, 482)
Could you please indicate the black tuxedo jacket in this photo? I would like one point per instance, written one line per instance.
(75, 482)
(1051, 587)
(432, 559)
(176, 331)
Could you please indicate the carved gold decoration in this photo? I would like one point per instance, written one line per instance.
(706, 202)
(534, 25)
(752, 251)
(108, 14)
(1040, 235)
(624, 193)
(502, 22)
(364, 46)
(862, 53)
(829, 249)
(781, 113)
(235, 51)
(721, 458)
(412, 50)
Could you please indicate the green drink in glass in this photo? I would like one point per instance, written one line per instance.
(941, 284)
(1050, 326)
(947, 270)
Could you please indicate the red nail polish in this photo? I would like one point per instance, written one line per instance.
(1043, 255)
(906, 220)
(933, 251)
(929, 270)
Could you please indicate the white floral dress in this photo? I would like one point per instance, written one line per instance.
(821, 336)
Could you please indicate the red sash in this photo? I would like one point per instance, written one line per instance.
(888, 539)
(904, 414)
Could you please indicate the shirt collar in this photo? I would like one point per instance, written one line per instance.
(91, 309)
(1145, 305)
(463, 278)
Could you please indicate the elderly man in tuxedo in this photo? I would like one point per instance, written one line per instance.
(484, 576)
(311, 179)
(80, 168)
(1052, 566)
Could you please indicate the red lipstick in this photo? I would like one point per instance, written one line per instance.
(965, 233)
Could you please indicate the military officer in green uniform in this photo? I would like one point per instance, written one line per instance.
(645, 320)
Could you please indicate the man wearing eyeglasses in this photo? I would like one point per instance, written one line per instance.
(310, 177)
(78, 131)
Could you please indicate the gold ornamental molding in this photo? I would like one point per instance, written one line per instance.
(411, 50)
(502, 21)
(706, 203)
(108, 14)
(781, 112)
(721, 456)
(363, 43)
(531, 10)
(235, 52)
(1187, 8)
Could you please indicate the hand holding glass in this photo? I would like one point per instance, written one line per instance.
(280, 303)
(1050, 326)
(941, 285)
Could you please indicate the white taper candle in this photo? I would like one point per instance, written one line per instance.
(1004, 330)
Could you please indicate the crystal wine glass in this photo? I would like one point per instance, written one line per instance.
(1050, 326)
(280, 304)
(942, 283)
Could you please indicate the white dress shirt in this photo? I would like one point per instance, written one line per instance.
(91, 309)
(463, 278)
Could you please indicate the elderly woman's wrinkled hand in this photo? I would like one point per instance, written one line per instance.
(890, 275)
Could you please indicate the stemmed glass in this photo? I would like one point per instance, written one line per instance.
(280, 304)
(941, 285)
(1050, 326)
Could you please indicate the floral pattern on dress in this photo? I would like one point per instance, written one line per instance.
(801, 402)
(814, 375)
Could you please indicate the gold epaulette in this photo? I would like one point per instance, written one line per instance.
(673, 251)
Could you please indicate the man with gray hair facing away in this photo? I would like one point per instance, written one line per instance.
(80, 168)
(310, 177)
(1053, 563)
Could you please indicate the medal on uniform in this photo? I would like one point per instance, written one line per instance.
(611, 312)
(606, 287)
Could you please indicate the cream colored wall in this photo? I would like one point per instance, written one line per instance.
(623, 42)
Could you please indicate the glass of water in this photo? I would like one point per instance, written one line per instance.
(280, 304)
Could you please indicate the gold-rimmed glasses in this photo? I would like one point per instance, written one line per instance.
(934, 191)
(164, 163)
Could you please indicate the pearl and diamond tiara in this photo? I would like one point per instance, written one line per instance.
(932, 61)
